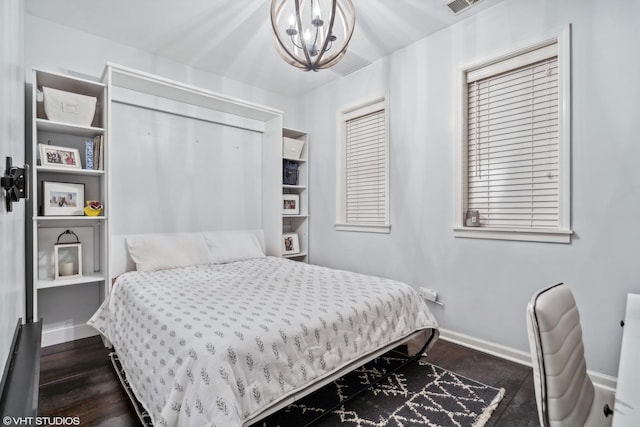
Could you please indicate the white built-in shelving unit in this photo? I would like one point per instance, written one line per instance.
(67, 321)
(298, 223)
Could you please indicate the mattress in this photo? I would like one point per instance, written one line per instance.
(217, 345)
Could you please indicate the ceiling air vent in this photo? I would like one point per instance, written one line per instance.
(458, 6)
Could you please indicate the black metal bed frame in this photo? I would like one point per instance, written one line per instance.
(410, 359)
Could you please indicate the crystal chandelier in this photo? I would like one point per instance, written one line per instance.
(312, 34)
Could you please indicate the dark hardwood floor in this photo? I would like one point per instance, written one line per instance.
(77, 379)
(518, 407)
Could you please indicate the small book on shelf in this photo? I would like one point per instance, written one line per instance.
(101, 153)
(89, 150)
(96, 151)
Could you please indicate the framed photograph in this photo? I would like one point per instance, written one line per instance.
(62, 199)
(291, 204)
(290, 244)
(62, 157)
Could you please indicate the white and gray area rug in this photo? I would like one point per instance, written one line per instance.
(419, 394)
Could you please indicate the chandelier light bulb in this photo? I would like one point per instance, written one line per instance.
(317, 17)
(307, 41)
(291, 31)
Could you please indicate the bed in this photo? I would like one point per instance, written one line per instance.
(210, 332)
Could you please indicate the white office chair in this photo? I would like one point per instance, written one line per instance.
(565, 395)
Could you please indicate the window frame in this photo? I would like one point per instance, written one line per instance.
(342, 117)
(563, 233)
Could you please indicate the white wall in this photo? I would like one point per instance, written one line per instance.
(486, 284)
(12, 248)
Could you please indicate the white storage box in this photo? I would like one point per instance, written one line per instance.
(292, 148)
(68, 107)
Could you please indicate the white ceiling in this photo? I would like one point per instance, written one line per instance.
(232, 38)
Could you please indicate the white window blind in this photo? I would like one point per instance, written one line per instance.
(513, 146)
(366, 176)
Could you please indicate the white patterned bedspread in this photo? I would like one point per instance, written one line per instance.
(213, 345)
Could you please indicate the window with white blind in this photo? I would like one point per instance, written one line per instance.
(514, 155)
(363, 163)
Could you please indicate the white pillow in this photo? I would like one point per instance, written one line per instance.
(153, 252)
(230, 246)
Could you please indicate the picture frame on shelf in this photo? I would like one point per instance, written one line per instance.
(62, 198)
(59, 157)
(291, 204)
(290, 244)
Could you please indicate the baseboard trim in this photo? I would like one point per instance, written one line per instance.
(55, 336)
(600, 380)
(10, 360)
(498, 350)
(21, 378)
(603, 381)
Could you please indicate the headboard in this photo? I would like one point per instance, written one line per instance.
(121, 262)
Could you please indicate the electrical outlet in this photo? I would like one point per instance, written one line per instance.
(428, 294)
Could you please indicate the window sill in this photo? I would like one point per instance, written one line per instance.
(364, 228)
(525, 235)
